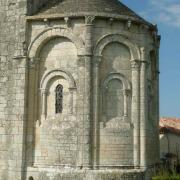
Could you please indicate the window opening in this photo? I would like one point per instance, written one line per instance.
(59, 99)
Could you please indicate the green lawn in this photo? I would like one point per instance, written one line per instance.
(175, 177)
(166, 176)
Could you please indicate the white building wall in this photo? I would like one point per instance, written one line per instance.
(170, 143)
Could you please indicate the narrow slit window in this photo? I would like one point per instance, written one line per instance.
(59, 99)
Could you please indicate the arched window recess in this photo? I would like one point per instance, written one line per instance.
(126, 89)
(58, 91)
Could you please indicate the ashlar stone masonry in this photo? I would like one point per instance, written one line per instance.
(79, 91)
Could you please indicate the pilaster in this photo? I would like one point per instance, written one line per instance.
(85, 154)
(95, 104)
(135, 66)
(143, 108)
(44, 103)
(20, 75)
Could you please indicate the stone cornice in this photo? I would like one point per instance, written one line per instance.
(98, 15)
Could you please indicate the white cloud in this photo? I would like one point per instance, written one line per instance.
(164, 11)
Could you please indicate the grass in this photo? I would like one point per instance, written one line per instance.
(165, 175)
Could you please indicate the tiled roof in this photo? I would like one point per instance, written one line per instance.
(88, 7)
(171, 125)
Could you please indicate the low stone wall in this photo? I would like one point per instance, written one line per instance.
(70, 174)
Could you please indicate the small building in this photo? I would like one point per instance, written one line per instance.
(170, 142)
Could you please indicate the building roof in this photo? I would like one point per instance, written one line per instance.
(170, 125)
(89, 7)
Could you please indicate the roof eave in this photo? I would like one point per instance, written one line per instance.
(137, 20)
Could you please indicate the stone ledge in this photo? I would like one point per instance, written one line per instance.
(51, 173)
(77, 15)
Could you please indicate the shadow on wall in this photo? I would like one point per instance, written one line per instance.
(33, 6)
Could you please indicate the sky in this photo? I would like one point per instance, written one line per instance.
(166, 14)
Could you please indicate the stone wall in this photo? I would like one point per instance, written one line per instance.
(153, 106)
(12, 88)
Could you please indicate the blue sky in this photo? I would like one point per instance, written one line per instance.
(166, 14)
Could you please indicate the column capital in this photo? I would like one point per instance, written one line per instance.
(142, 49)
(143, 54)
(135, 65)
(43, 91)
(89, 20)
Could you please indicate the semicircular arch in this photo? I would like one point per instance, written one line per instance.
(57, 73)
(50, 33)
(110, 38)
(119, 76)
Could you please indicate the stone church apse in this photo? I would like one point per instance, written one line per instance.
(79, 91)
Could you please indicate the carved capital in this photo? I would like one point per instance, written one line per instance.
(47, 22)
(135, 65)
(89, 20)
(67, 21)
(44, 91)
(142, 53)
(128, 24)
(110, 21)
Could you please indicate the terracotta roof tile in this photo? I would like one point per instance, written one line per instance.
(170, 125)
